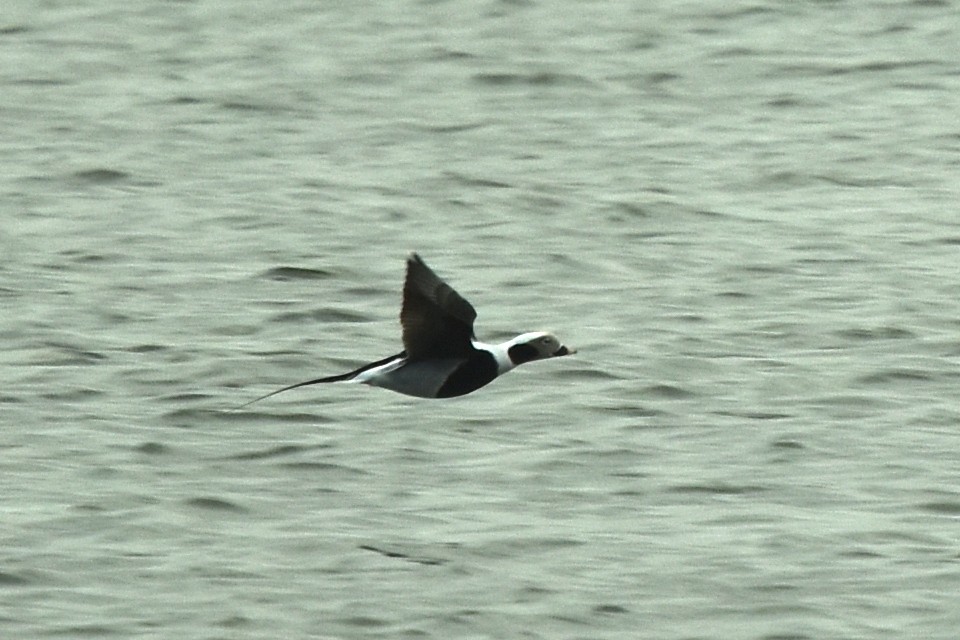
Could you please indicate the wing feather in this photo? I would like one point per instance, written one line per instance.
(437, 321)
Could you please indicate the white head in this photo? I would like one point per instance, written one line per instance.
(527, 347)
(538, 345)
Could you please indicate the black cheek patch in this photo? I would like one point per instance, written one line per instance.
(520, 353)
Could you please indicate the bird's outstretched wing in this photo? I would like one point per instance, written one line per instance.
(437, 322)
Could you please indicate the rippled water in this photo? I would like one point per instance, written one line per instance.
(742, 214)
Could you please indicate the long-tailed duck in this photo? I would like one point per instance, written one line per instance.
(441, 357)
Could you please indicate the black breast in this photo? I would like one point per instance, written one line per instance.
(480, 369)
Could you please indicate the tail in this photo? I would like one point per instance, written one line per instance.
(343, 377)
(340, 378)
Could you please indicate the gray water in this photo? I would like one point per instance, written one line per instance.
(743, 214)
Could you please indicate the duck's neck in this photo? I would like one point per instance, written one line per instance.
(500, 354)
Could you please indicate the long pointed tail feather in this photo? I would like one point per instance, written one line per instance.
(343, 377)
(339, 378)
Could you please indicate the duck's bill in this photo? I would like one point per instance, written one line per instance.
(564, 351)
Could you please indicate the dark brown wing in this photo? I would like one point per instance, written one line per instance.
(437, 322)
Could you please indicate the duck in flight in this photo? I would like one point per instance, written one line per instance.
(441, 357)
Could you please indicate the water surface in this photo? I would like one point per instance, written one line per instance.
(742, 214)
